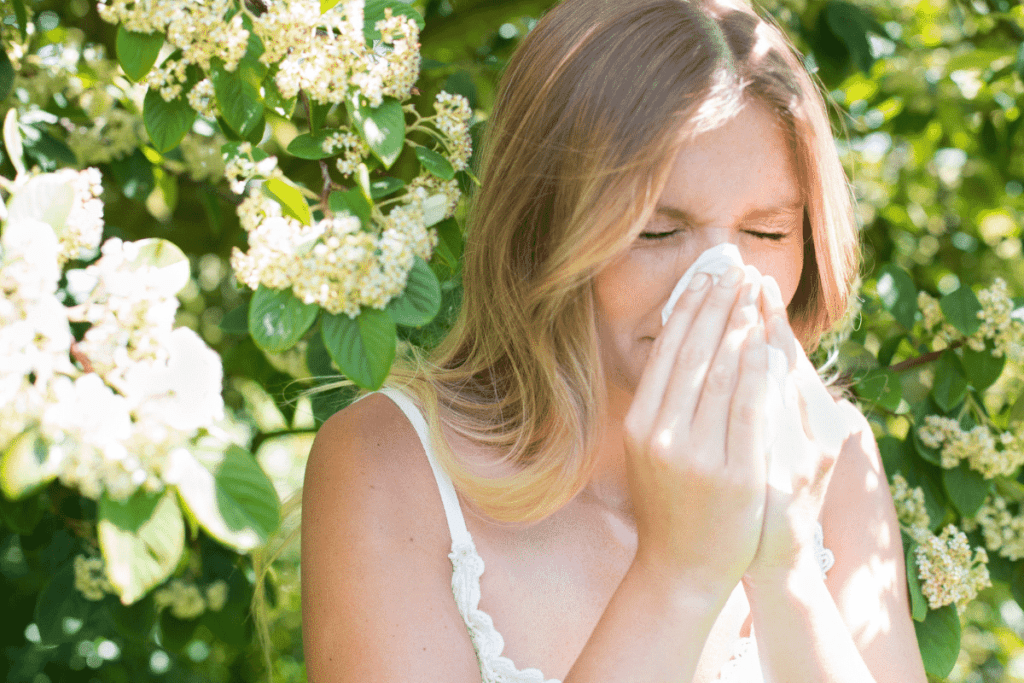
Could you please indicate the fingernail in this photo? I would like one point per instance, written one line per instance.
(771, 289)
(732, 277)
(699, 282)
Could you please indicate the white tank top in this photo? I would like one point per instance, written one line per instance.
(467, 568)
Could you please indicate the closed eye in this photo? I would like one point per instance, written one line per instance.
(657, 235)
(773, 236)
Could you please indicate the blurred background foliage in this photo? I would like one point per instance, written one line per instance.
(928, 97)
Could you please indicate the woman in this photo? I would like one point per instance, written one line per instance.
(611, 472)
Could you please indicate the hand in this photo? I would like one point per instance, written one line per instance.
(694, 437)
(811, 435)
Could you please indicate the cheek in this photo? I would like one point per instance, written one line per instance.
(782, 262)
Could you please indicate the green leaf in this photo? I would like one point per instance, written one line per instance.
(166, 122)
(6, 74)
(882, 387)
(134, 173)
(850, 24)
(967, 489)
(238, 95)
(245, 494)
(364, 347)
(309, 146)
(277, 320)
(982, 368)
(450, 235)
(327, 4)
(354, 202)
(373, 11)
(950, 384)
(134, 621)
(137, 52)
(142, 540)
(1017, 583)
(898, 293)
(382, 127)
(24, 466)
(318, 113)
(21, 516)
(235, 503)
(385, 186)
(938, 637)
(22, 16)
(290, 198)
(435, 163)
(918, 603)
(421, 300)
(61, 610)
(236, 321)
(961, 308)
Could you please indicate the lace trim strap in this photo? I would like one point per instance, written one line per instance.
(452, 509)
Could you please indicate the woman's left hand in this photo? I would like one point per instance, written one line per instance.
(811, 435)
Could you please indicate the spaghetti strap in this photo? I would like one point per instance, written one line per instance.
(452, 509)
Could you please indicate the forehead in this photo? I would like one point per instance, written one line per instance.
(745, 165)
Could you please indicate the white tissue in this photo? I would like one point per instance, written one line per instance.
(782, 418)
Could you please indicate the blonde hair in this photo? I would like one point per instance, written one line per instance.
(590, 114)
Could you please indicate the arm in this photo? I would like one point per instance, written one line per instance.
(376, 580)
(856, 624)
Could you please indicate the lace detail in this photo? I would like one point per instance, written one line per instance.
(744, 665)
(467, 568)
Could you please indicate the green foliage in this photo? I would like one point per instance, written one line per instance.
(137, 52)
(277, 320)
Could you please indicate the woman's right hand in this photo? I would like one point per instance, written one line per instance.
(694, 437)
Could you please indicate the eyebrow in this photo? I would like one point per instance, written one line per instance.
(677, 215)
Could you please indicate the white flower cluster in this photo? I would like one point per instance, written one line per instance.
(948, 572)
(452, 119)
(1000, 322)
(354, 147)
(326, 54)
(202, 31)
(91, 578)
(910, 507)
(187, 601)
(69, 202)
(142, 388)
(1003, 531)
(333, 263)
(986, 452)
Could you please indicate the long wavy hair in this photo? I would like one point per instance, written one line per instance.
(590, 113)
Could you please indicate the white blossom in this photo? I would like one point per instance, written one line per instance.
(948, 571)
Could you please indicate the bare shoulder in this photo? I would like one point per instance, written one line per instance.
(376, 578)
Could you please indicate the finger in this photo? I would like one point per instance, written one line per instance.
(650, 389)
(720, 383)
(745, 446)
(780, 334)
(697, 351)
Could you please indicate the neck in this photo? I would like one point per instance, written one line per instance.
(608, 485)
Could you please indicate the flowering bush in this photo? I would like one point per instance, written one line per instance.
(120, 454)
